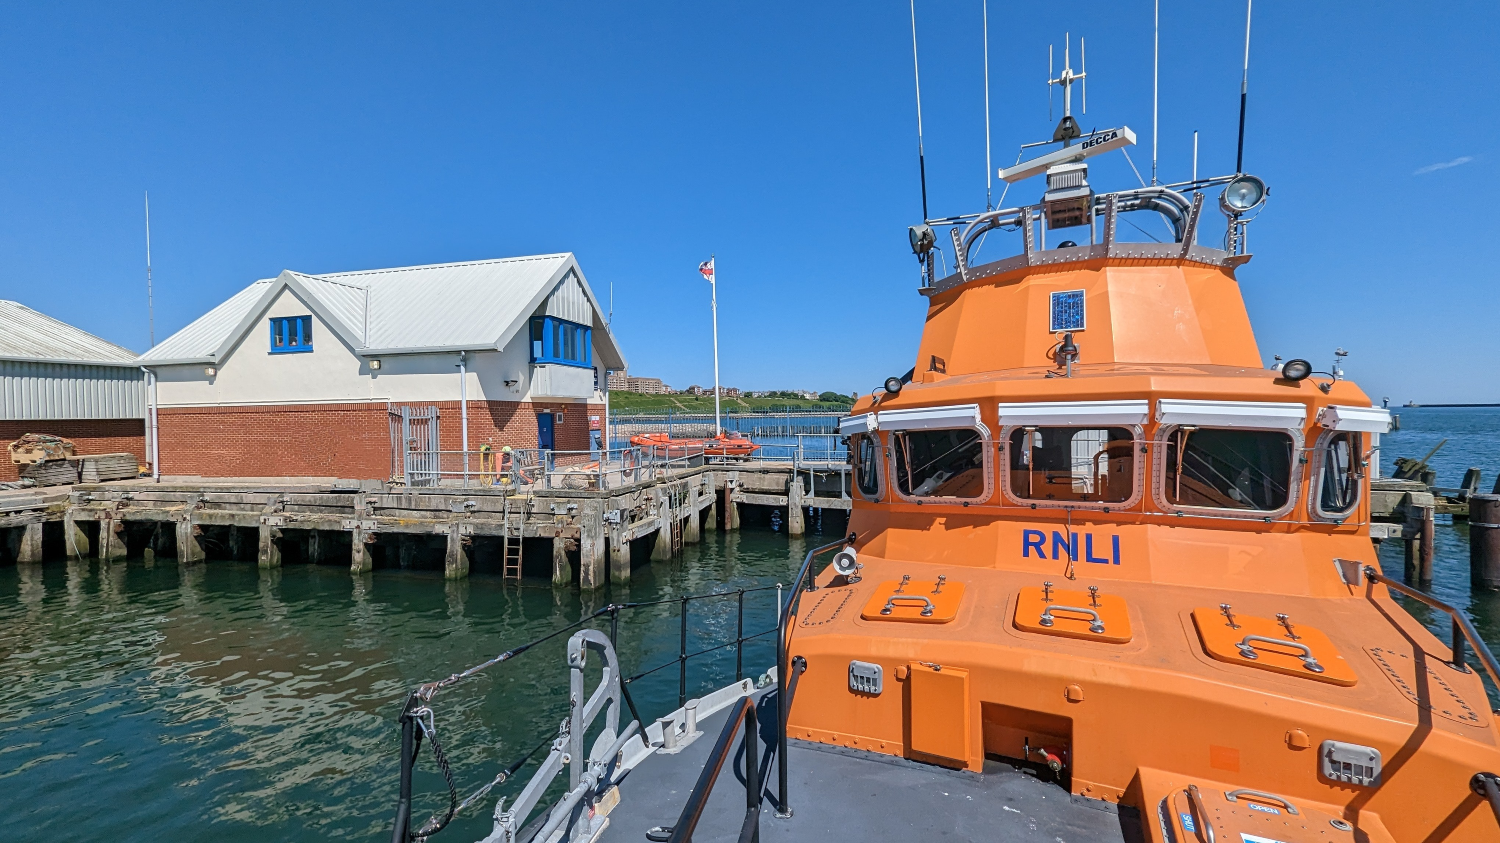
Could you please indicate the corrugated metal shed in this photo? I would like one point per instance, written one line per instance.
(443, 307)
(51, 370)
(38, 391)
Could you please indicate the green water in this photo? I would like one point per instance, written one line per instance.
(219, 701)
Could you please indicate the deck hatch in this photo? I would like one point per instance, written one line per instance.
(1090, 616)
(1268, 644)
(915, 601)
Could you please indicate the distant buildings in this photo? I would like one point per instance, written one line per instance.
(623, 382)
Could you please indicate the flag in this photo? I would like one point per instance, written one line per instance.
(707, 268)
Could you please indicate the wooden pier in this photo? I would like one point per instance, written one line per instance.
(591, 532)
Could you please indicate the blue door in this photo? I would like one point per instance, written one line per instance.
(544, 438)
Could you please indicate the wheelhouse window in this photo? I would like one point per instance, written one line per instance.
(556, 340)
(1076, 464)
(1341, 470)
(1223, 468)
(290, 334)
(939, 463)
(866, 452)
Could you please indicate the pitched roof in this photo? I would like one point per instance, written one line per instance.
(28, 335)
(471, 306)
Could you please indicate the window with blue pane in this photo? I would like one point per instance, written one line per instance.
(556, 340)
(291, 334)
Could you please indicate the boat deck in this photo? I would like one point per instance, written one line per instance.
(840, 794)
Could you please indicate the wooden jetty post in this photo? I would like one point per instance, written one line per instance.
(1419, 532)
(268, 544)
(1484, 541)
(26, 542)
(796, 515)
(562, 572)
(457, 558)
(591, 547)
(111, 539)
(75, 540)
(619, 556)
(189, 548)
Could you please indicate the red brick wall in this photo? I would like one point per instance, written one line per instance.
(289, 440)
(341, 440)
(90, 436)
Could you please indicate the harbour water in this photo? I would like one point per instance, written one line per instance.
(166, 702)
(158, 702)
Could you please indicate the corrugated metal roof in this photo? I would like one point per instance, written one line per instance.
(454, 306)
(203, 337)
(28, 335)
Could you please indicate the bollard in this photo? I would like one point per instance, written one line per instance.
(1484, 542)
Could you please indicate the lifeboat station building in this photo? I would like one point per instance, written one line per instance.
(337, 375)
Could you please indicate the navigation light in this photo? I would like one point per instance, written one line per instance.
(1245, 193)
(1296, 370)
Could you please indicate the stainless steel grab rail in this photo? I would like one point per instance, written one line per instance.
(1462, 628)
(785, 669)
(1096, 623)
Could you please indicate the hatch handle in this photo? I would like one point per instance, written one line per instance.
(1096, 624)
(1248, 651)
(890, 603)
(1234, 796)
(1195, 800)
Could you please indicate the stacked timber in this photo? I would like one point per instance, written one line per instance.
(51, 472)
(96, 468)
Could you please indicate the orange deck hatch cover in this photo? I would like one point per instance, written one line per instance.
(915, 601)
(940, 710)
(1278, 645)
(1091, 616)
(1209, 813)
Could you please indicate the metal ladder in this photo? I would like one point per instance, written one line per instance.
(510, 546)
(676, 537)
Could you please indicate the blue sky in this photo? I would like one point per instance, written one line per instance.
(780, 137)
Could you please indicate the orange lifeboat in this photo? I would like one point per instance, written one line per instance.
(723, 445)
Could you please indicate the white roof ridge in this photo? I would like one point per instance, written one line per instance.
(484, 262)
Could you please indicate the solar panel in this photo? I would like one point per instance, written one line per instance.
(1067, 311)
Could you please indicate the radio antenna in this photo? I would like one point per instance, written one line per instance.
(917, 75)
(989, 172)
(150, 302)
(1155, 85)
(1049, 83)
(1239, 156)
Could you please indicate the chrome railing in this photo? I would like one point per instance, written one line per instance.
(1463, 630)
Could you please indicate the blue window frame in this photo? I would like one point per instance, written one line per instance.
(291, 334)
(556, 340)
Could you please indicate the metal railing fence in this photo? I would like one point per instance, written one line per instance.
(537, 469)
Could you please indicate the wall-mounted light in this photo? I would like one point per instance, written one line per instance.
(210, 371)
(374, 365)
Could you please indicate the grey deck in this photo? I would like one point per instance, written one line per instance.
(847, 795)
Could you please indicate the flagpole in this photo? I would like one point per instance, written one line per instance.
(713, 286)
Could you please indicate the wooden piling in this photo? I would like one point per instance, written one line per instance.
(1484, 542)
(619, 558)
(796, 516)
(562, 572)
(189, 548)
(75, 540)
(591, 548)
(692, 531)
(359, 551)
(268, 545)
(112, 539)
(30, 549)
(456, 560)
